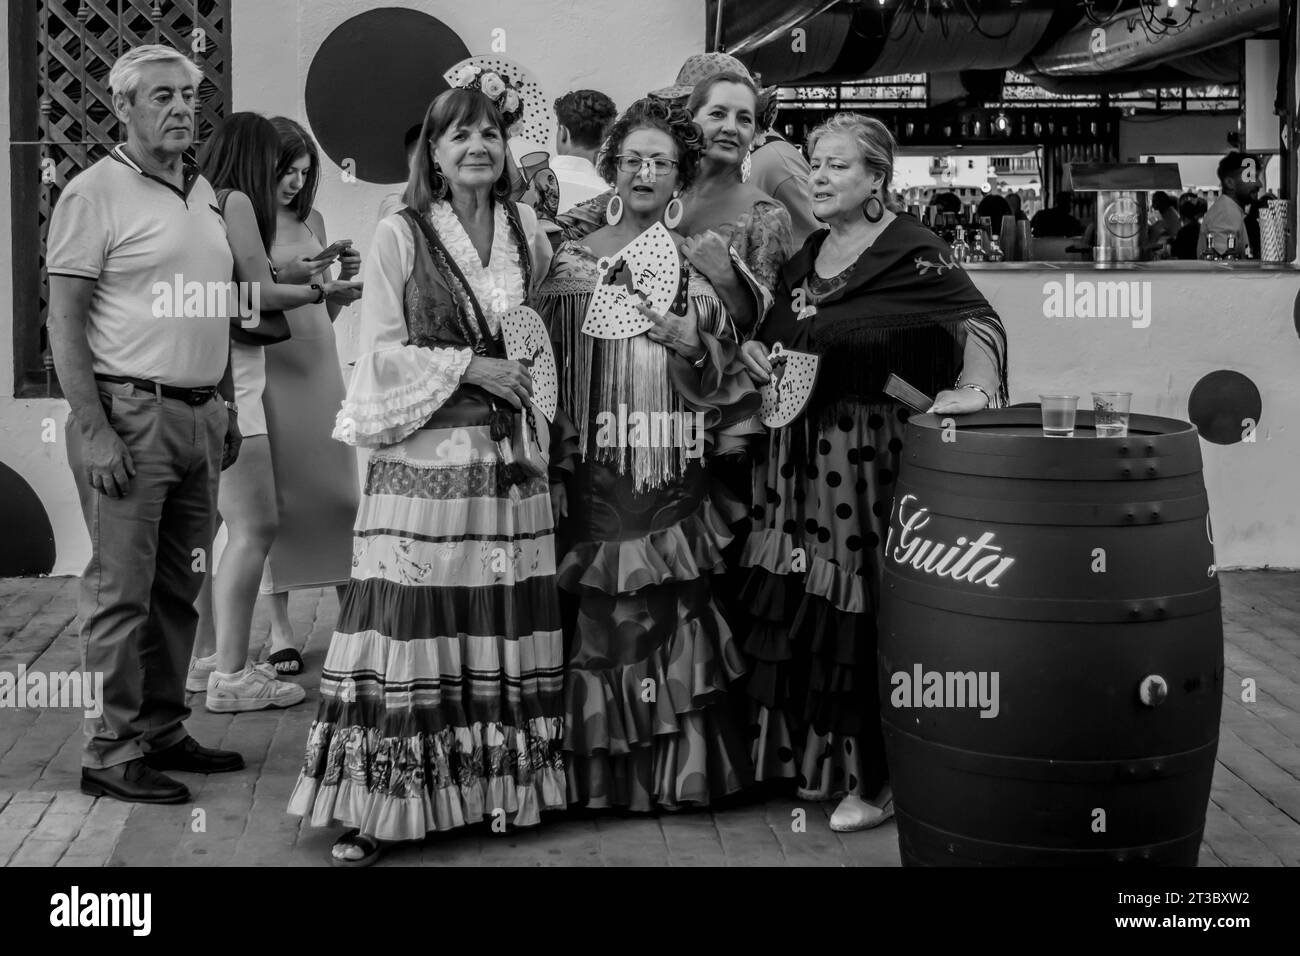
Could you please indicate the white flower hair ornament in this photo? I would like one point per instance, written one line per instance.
(495, 87)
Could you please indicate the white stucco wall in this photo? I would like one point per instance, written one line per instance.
(1199, 323)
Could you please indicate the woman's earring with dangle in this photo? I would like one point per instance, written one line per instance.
(873, 208)
(673, 212)
(746, 167)
(614, 210)
(441, 192)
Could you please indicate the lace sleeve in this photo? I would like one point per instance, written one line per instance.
(395, 386)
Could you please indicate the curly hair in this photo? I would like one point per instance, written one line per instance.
(587, 115)
(653, 113)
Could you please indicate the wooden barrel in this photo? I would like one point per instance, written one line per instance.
(1050, 643)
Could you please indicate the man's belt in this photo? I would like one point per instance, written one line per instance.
(190, 396)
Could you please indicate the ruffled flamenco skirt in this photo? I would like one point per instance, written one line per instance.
(822, 505)
(649, 723)
(442, 691)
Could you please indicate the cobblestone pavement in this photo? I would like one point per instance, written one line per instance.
(1253, 818)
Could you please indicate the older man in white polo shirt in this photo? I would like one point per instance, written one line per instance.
(152, 418)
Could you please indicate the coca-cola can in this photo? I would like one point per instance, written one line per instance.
(1121, 225)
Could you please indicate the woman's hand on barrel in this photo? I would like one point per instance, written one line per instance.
(757, 363)
(958, 401)
(681, 333)
(501, 377)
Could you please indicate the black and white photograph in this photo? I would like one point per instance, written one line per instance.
(633, 434)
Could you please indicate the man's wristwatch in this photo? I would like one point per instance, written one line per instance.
(232, 407)
(321, 289)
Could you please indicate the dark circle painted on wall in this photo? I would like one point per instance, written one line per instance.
(1220, 402)
(1296, 312)
(371, 81)
(27, 544)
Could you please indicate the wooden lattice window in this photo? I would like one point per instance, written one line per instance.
(60, 53)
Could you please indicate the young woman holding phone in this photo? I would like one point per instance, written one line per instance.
(316, 486)
(240, 161)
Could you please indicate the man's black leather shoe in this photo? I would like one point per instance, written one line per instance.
(133, 782)
(190, 756)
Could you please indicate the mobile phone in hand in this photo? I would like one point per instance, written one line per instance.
(333, 250)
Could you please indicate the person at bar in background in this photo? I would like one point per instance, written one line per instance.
(240, 160)
(1057, 221)
(875, 294)
(315, 476)
(1189, 230)
(1163, 232)
(152, 421)
(947, 202)
(994, 206)
(778, 168)
(1239, 181)
(442, 692)
(583, 118)
(645, 534)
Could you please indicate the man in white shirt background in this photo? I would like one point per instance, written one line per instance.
(1239, 180)
(584, 118)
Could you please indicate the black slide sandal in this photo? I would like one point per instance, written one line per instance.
(287, 663)
(370, 847)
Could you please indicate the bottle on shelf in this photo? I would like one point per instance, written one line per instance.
(1231, 251)
(960, 250)
(1210, 254)
(977, 252)
(994, 251)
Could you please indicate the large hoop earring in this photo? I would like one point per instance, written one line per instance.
(673, 213)
(440, 185)
(614, 210)
(873, 208)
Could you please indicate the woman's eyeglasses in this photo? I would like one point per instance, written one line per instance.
(628, 163)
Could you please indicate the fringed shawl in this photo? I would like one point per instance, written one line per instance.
(903, 307)
(600, 376)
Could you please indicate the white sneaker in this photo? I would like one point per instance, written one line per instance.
(196, 681)
(253, 688)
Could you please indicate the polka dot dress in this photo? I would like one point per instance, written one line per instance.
(824, 496)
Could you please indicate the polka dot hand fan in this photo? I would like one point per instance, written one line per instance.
(793, 376)
(528, 343)
(649, 265)
(536, 124)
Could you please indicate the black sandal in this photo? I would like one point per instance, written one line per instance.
(287, 662)
(371, 849)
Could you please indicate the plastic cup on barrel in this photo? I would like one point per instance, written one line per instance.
(1058, 415)
(1111, 413)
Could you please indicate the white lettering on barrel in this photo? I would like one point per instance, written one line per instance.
(981, 561)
